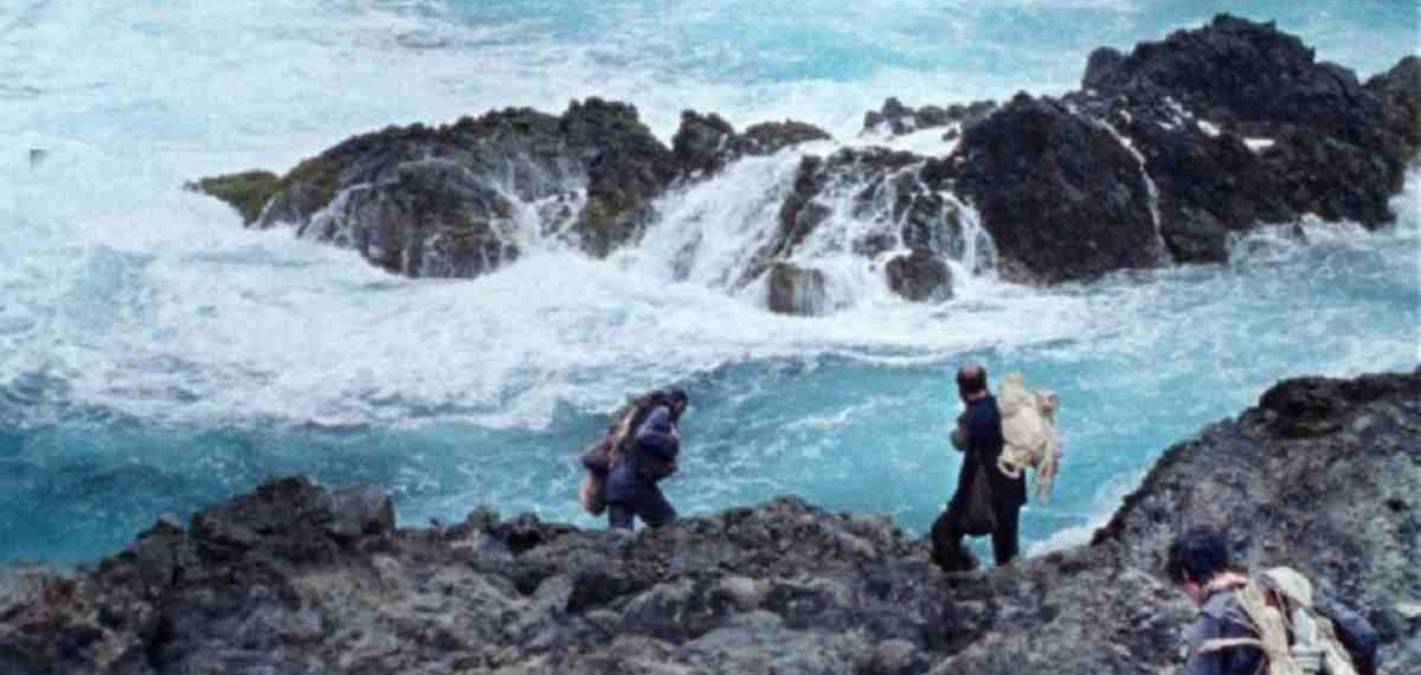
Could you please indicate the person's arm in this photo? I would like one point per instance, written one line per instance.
(959, 434)
(657, 435)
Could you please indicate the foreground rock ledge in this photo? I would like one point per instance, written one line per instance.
(1324, 474)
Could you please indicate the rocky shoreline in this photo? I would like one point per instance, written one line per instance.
(1160, 158)
(1324, 474)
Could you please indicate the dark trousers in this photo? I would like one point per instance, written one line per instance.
(649, 505)
(947, 538)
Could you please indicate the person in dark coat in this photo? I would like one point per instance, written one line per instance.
(647, 457)
(979, 437)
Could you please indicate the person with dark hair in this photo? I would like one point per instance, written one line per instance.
(979, 436)
(646, 457)
(1246, 623)
(1198, 562)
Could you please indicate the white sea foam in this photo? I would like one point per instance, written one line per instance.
(119, 292)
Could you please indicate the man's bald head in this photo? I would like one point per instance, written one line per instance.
(971, 380)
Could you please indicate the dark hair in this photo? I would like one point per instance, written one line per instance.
(1200, 553)
(971, 379)
(676, 400)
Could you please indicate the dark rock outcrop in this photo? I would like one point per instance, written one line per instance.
(1324, 475)
(450, 201)
(1062, 197)
(1165, 155)
(1240, 125)
(897, 119)
(1400, 91)
(704, 144)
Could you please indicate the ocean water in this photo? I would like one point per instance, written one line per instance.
(155, 356)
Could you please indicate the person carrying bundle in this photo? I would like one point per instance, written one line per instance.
(987, 500)
(1273, 623)
(1029, 433)
(638, 452)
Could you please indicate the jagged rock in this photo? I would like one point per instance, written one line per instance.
(896, 119)
(451, 201)
(796, 290)
(920, 276)
(1400, 91)
(704, 144)
(1188, 104)
(1164, 155)
(1101, 67)
(1062, 198)
(1323, 475)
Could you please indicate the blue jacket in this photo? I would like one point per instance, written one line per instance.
(654, 440)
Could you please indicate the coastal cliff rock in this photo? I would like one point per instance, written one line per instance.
(1324, 475)
(463, 199)
(1163, 156)
(1240, 125)
(704, 144)
(1062, 197)
(1170, 150)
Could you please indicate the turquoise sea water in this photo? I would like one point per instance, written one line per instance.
(155, 357)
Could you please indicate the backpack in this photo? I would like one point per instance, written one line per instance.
(1294, 636)
(599, 459)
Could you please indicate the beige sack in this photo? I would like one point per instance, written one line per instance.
(1029, 429)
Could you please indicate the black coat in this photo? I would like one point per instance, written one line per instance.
(982, 439)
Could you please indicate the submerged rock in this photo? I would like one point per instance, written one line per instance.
(796, 290)
(920, 276)
(1323, 475)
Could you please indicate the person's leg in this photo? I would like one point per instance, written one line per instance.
(946, 537)
(1004, 537)
(653, 508)
(619, 516)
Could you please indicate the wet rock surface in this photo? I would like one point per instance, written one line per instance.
(896, 119)
(458, 200)
(1162, 157)
(705, 144)
(1239, 124)
(1324, 475)
(920, 276)
(1062, 197)
(796, 290)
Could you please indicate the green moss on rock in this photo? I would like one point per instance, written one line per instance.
(247, 192)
